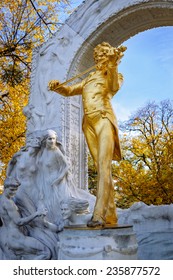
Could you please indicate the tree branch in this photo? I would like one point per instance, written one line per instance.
(40, 16)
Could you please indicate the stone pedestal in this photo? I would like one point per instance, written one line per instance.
(109, 243)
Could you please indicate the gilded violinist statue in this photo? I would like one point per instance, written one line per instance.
(100, 125)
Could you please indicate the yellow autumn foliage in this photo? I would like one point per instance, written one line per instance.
(146, 171)
(24, 24)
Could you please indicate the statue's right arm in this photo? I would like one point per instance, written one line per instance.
(26, 220)
(64, 90)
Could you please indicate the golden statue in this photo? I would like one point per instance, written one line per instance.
(99, 124)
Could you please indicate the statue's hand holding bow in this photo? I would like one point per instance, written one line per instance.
(115, 54)
(53, 85)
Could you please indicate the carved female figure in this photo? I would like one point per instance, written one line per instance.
(52, 169)
(56, 183)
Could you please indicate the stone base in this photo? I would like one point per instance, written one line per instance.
(110, 243)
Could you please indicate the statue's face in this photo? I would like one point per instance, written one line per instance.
(101, 57)
(51, 140)
(65, 211)
(11, 191)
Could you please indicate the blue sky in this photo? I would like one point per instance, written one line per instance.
(147, 67)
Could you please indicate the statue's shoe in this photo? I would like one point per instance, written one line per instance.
(111, 220)
(95, 224)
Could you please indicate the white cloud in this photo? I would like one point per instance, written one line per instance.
(121, 111)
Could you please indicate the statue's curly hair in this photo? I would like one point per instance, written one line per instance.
(100, 49)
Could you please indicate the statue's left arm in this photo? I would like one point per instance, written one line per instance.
(53, 227)
(114, 79)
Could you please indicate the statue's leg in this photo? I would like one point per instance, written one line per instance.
(104, 132)
(30, 248)
(111, 216)
(91, 139)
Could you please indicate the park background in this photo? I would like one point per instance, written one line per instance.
(145, 173)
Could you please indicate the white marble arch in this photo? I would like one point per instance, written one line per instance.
(69, 52)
